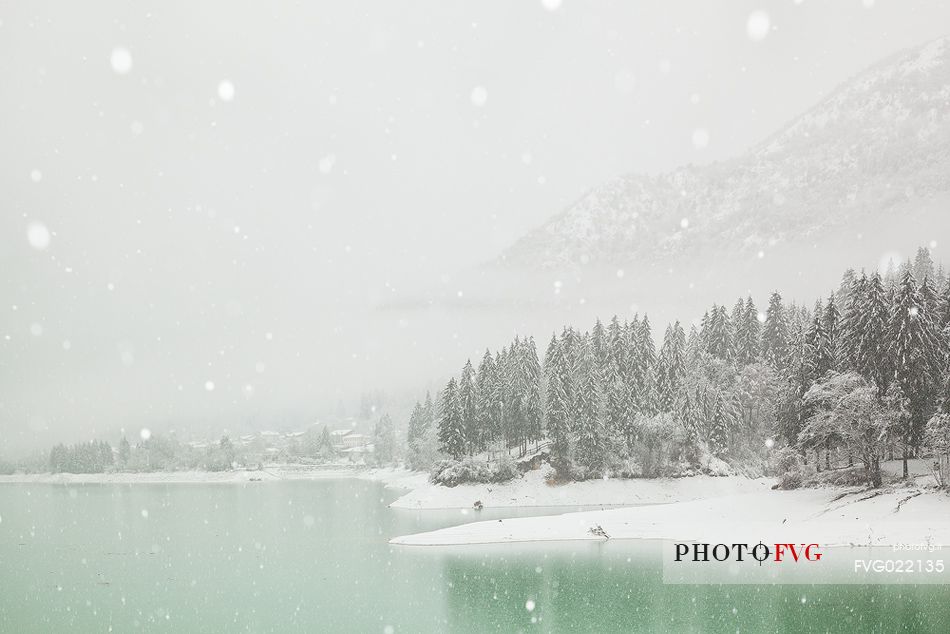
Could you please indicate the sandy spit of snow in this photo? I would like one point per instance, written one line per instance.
(901, 516)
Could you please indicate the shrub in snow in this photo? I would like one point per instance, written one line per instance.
(786, 465)
(579, 473)
(627, 468)
(850, 476)
(716, 467)
(937, 438)
(505, 469)
(452, 473)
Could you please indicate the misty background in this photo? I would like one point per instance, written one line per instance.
(237, 215)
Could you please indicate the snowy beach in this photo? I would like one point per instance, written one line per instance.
(832, 517)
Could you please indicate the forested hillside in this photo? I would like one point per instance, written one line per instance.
(877, 146)
(858, 376)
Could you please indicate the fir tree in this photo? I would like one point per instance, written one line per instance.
(532, 396)
(694, 347)
(569, 350)
(819, 358)
(642, 369)
(848, 281)
(325, 448)
(687, 417)
(615, 361)
(486, 390)
(501, 387)
(416, 424)
(467, 406)
(923, 265)
(917, 355)
(719, 336)
(775, 334)
(451, 428)
(852, 325)
(671, 368)
(106, 458)
(557, 414)
(428, 409)
(125, 451)
(719, 431)
(831, 321)
(943, 310)
(748, 333)
(384, 440)
(873, 361)
(591, 435)
(598, 338)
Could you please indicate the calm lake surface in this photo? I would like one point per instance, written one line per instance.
(313, 557)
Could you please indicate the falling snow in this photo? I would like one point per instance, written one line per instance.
(38, 236)
(121, 61)
(225, 90)
(479, 96)
(758, 25)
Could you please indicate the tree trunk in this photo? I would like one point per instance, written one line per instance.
(875, 473)
(905, 455)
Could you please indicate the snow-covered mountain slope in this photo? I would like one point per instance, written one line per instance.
(880, 144)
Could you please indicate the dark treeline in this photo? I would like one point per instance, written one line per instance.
(157, 453)
(606, 401)
(164, 452)
(87, 457)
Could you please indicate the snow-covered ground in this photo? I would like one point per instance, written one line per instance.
(698, 508)
(532, 490)
(827, 516)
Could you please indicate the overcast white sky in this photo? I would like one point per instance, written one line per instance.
(231, 188)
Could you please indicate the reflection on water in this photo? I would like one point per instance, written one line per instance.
(313, 556)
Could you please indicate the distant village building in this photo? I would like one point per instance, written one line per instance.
(354, 441)
(347, 440)
(337, 435)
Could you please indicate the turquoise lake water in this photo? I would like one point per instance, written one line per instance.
(312, 556)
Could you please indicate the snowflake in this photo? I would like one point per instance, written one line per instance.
(225, 90)
(38, 236)
(757, 26)
(479, 96)
(121, 60)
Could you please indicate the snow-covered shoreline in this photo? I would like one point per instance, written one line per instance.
(532, 490)
(832, 517)
(395, 478)
(701, 508)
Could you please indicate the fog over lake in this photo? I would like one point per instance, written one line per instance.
(244, 216)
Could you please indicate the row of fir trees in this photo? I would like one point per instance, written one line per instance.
(607, 397)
